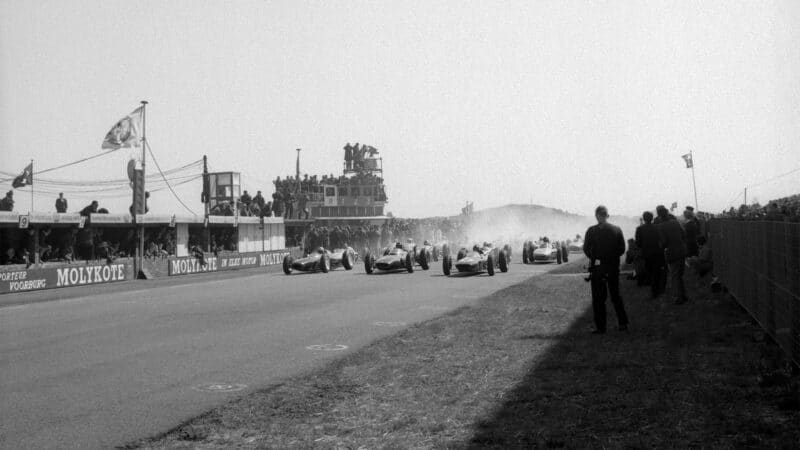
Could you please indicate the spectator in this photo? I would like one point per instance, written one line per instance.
(91, 208)
(288, 203)
(302, 200)
(605, 244)
(7, 203)
(245, 199)
(259, 200)
(703, 263)
(61, 203)
(692, 230)
(648, 241)
(673, 239)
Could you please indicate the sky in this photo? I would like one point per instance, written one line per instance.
(566, 104)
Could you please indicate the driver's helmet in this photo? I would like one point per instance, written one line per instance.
(410, 241)
(426, 242)
(486, 244)
(321, 250)
(398, 245)
(476, 248)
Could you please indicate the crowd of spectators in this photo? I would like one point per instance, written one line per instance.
(364, 236)
(783, 209)
(69, 244)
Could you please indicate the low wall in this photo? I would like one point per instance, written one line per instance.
(66, 275)
(54, 275)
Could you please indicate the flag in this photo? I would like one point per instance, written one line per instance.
(25, 178)
(126, 132)
(674, 205)
(688, 158)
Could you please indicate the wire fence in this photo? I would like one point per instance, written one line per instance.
(759, 263)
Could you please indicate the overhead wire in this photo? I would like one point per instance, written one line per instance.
(165, 179)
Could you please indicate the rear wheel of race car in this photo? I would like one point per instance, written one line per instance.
(435, 254)
(325, 263)
(565, 255)
(409, 262)
(447, 264)
(369, 263)
(423, 259)
(461, 254)
(507, 248)
(558, 256)
(502, 261)
(287, 264)
(348, 259)
(490, 265)
(445, 250)
(525, 253)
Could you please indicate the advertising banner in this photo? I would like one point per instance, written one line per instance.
(191, 264)
(58, 277)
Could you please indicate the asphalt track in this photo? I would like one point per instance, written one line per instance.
(96, 367)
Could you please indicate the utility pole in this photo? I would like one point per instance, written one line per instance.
(206, 202)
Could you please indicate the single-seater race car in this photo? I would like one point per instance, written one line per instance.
(482, 258)
(321, 260)
(547, 252)
(399, 257)
(576, 246)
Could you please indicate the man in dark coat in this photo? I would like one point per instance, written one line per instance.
(89, 209)
(259, 200)
(692, 229)
(649, 242)
(605, 244)
(245, 199)
(277, 203)
(7, 203)
(673, 239)
(61, 203)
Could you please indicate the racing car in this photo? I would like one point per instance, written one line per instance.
(482, 258)
(547, 252)
(399, 257)
(575, 246)
(321, 260)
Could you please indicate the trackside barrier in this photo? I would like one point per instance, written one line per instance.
(759, 263)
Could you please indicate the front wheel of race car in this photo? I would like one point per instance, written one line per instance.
(445, 250)
(435, 254)
(410, 262)
(558, 256)
(348, 259)
(525, 253)
(287, 264)
(325, 263)
(490, 265)
(423, 259)
(447, 264)
(502, 261)
(369, 263)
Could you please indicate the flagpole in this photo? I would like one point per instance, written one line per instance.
(143, 191)
(694, 184)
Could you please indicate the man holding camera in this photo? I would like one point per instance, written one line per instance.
(604, 245)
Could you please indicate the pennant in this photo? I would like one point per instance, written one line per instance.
(25, 178)
(688, 159)
(126, 133)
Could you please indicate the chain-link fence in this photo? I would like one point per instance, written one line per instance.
(759, 263)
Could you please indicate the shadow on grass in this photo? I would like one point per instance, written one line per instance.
(685, 376)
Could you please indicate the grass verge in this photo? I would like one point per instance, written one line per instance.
(520, 369)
